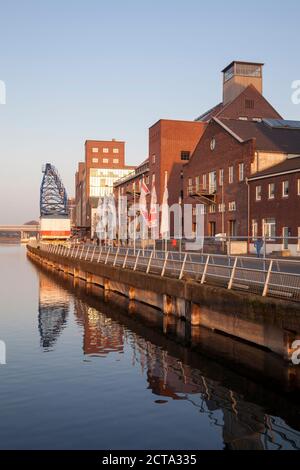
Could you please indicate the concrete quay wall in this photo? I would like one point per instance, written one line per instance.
(269, 323)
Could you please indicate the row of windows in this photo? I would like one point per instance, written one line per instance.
(110, 172)
(184, 155)
(104, 150)
(212, 179)
(212, 209)
(105, 160)
(285, 187)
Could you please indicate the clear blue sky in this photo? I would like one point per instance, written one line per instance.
(93, 69)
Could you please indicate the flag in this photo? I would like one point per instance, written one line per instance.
(102, 218)
(153, 219)
(144, 221)
(143, 203)
(164, 227)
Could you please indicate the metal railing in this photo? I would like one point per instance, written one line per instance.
(263, 276)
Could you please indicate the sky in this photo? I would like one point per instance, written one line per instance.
(93, 69)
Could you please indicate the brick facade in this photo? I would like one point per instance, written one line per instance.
(104, 163)
(228, 152)
(270, 203)
(167, 140)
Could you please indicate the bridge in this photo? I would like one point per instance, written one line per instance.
(23, 230)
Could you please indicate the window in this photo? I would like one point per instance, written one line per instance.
(95, 150)
(285, 189)
(271, 191)
(212, 208)
(221, 207)
(232, 228)
(243, 118)
(115, 150)
(232, 206)
(197, 183)
(212, 229)
(95, 160)
(190, 185)
(115, 160)
(230, 174)
(204, 181)
(221, 177)
(269, 228)
(185, 155)
(254, 228)
(213, 144)
(285, 236)
(241, 171)
(147, 179)
(249, 104)
(298, 187)
(248, 70)
(105, 160)
(105, 150)
(229, 73)
(258, 193)
(212, 178)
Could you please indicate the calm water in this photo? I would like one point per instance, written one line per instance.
(83, 374)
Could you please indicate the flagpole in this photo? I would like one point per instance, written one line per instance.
(118, 215)
(134, 229)
(143, 227)
(166, 235)
(166, 183)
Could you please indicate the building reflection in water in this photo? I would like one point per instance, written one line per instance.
(101, 335)
(54, 305)
(244, 424)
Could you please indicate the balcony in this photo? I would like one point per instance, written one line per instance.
(205, 194)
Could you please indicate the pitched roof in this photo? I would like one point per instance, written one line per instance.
(235, 108)
(208, 115)
(289, 165)
(286, 140)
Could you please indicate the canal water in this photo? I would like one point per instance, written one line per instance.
(84, 372)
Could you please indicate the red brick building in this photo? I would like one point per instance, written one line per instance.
(170, 145)
(104, 164)
(230, 151)
(275, 205)
(132, 182)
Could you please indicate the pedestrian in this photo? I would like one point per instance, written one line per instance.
(258, 245)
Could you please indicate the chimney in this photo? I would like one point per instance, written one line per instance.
(239, 75)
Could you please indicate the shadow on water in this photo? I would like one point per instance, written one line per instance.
(251, 394)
